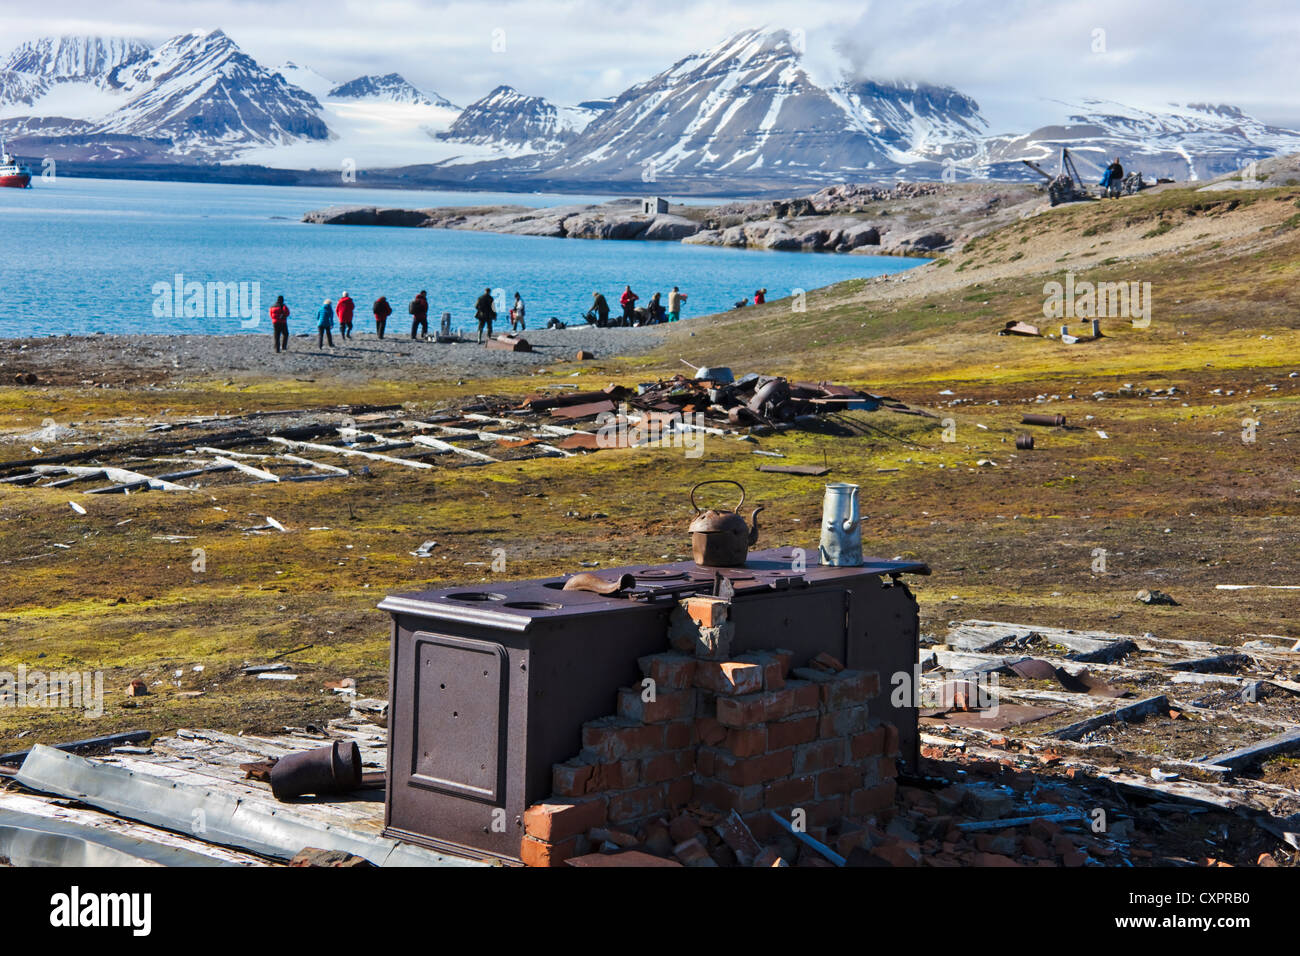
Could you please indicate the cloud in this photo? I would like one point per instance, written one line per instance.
(1008, 54)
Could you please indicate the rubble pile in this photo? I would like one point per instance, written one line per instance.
(719, 759)
(713, 400)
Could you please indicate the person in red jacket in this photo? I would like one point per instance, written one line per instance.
(760, 296)
(382, 311)
(343, 309)
(628, 301)
(280, 323)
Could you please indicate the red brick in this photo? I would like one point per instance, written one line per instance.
(669, 671)
(580, 776)
(785, 657)
(570, 779)
(747, 771)
(774, 667)
(891, 740)
(683, 827)
(679, 735)
(541, 853)
(680, 792)
(833, 783)
(849, 689)
(756, 708)
(886, 767)
(806, 696)
(729, 677)
(872, 800)
(819, 755)
(747, 742)
(708, 731)
(792, 731)
(707, 611)
(790, 792)
(723, 796)
(633, 805)
(667, 705)
(827, 662)
(868, 744)
(823, 813)
(765, 829)
(841, 723)
(894, 854)
(613, 738)
(693, 853)
(560, 819)
(667, 766)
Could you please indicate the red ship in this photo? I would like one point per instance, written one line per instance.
(12, 173)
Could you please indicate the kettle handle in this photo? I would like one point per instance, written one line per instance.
(719, 481)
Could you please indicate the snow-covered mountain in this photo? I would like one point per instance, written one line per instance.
(66, 75)
(389, 88)
(198, 96)
(749, 112)
(204, 93)
(1192, 141)
(749, 108)
(75, 57)
(509, 120)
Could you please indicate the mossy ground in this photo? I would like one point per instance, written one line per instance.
(1175, 496)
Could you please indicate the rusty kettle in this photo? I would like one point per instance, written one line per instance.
(720, 538)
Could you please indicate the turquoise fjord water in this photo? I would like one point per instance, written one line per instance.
(83, 256)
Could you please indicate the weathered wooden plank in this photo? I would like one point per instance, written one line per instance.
(349, 452)
(1132, 712)
(1247, 756)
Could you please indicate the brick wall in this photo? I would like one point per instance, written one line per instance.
(711, 732)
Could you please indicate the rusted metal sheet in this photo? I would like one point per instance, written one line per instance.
(571, 412)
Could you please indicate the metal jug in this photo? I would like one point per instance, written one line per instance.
(841, 541)
(720, 538)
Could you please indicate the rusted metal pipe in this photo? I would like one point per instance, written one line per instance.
(1056, 420)
(332, 769)
(1025, 442)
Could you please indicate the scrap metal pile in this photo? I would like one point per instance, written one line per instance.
(713, 401)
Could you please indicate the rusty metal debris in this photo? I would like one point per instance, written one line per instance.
(1050, 420)
(719, 537)
(326, 770)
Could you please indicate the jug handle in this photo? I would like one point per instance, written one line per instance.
(849, 524)
(719, 481)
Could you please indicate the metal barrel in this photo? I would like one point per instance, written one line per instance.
(1043, 420)
(332, 769)
(1025, 442)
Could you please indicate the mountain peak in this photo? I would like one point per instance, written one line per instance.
(390, 87)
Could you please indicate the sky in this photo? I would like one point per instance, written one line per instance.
(1018, 58)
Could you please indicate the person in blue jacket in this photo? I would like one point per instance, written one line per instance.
(325, 325)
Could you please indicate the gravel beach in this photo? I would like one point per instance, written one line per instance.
(118, 359)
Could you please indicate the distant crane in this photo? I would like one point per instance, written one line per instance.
(1067, 185)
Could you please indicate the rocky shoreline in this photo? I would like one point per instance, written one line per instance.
(910, 219)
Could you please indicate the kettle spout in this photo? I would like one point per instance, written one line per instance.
(849, 524)
(753, 526)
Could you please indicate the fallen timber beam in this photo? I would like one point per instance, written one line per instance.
(558, 431)
(1135, 711)
(1244, 757)
(438, 445)
(120, 475)
(283, 456)
(350, 452)
(257, 473)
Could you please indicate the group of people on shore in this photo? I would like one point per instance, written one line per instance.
(653, 313)
(485, 315)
